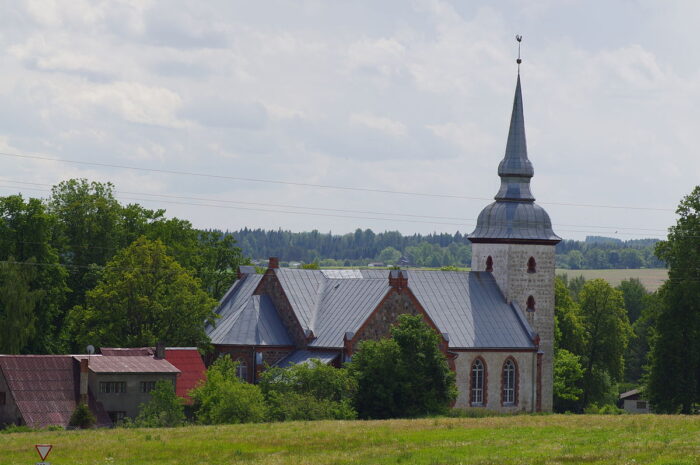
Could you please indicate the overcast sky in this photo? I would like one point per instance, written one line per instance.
(410, 96)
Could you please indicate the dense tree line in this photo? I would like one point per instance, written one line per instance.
(431, 250)
(66, 260)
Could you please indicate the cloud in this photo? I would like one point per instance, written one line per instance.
(226, 113)
(385, 125)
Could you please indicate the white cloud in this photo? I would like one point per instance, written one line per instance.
(386, 125)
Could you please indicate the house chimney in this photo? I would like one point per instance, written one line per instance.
(274, 263)
(84, 380)
(160, 350)
(398, 279)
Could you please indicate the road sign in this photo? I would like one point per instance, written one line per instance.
(43, 450)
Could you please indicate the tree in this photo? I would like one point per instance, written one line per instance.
(607, 329)
(634, 293)
(165, 409)
(389, 255)
(404, 376)
(569, 332)
(26, 237)
(312, 391)
(568, 374)
(17, 304)
(224, 398)
(144, 296)
(643, 333)
(674, 382)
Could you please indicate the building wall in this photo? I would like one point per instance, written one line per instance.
(270, 356)
(129, 401)
(270, 286)
(9, 413)
(493, 378)
(632, 406)
(510, 265)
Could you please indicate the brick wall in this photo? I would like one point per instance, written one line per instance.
(270, 286)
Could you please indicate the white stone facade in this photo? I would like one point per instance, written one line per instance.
(510, 269)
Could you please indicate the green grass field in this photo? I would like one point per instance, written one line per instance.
(651, 278)
(545, 439)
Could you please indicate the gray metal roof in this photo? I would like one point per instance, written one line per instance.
(468, 306)
(514, 216)
(248, 319)
(305, 356)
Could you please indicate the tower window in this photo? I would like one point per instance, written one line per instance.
(489, 264)
(530, 304)
(478, 384)
(531, 265)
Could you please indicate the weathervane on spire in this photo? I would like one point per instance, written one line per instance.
(519, 38)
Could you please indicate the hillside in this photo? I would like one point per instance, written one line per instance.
(499, 440)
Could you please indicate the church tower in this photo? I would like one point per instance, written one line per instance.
(514, 240)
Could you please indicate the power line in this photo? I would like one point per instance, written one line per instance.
(375, 218)
(310, 185)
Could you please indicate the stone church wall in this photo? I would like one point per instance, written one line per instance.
(494, 370)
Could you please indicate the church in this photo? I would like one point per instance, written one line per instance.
(496, 322)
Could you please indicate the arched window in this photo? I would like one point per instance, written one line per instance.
(242, 370)
(530, 304)
(489, 264)
(478, 383)
(509, 393)
(531, 265)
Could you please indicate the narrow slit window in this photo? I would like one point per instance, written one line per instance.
(530, 304)
(477, 383)
(509, 382)
(531, 265)
(489, 264)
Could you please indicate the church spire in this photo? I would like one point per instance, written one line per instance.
(515, 169)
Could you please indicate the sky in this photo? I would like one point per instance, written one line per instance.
(233, 114)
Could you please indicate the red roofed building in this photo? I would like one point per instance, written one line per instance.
(191, 366)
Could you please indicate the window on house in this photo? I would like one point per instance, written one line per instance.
(116, 416)
(641, 404)
(530, 304)
(509, 380)
(112, 387)
(489, 264)
(3, 398)
(147, 386)
(531, 265)
(242, 370)
(477, 383)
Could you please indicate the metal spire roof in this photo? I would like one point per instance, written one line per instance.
(514, 216)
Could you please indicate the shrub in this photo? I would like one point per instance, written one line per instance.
(82, 417)
(224, 398)
(406, 376)
(165, 409)
(311, 391)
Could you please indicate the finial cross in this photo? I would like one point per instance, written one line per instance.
(519, 38)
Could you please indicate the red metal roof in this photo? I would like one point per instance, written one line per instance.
(191, 366)
(42, 386)
(129, 364)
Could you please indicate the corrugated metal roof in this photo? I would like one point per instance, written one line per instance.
(128, 364)
(303, 289)
(126, 351)
(44, 387)
(468, 306)
(191, 366)
(305, 356)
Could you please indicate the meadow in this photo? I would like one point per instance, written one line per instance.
(524, 439)
(651, 278)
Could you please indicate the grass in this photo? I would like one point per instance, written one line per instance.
(651, 278)
(526, 439)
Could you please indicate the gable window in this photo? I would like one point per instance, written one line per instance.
(242, 370)
(530, 304)
(112, 387)
(531, 265)
(510, 383)
(147, 386)
(489, 264)
(477, 385)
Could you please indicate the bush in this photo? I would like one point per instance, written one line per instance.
(607, 409)
(224, 398)
(8, 429)
(406, 376)
(313, 391)
(82, 417)
(165, 409)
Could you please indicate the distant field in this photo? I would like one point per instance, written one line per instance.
(652, 278)
(526, 439)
